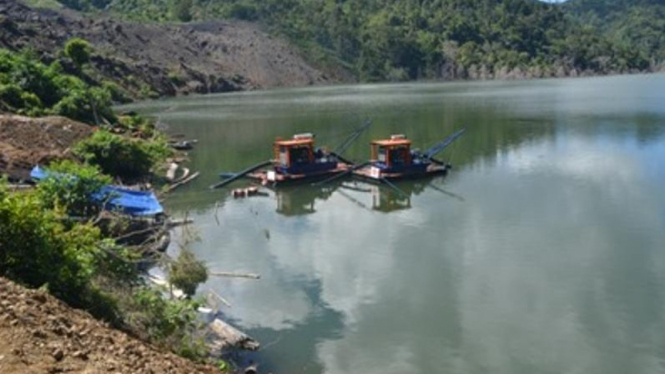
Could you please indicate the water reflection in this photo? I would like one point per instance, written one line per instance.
(303, 200)
(541, 252)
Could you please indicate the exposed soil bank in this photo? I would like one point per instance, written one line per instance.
(167, 59)
(26, 142)
(40, 334)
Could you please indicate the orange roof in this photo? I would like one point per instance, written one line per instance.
(392, 142)
(295, 142)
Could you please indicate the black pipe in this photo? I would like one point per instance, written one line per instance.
(241, 174)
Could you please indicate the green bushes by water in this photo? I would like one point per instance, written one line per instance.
(39, 249)
(49, 236)
(42, 246)
(121, 156)
(69, 188)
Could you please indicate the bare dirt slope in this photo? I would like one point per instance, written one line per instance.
(40, 334)
(170, 59)
(26, 141)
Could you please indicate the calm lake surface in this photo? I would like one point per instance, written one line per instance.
(543, 251)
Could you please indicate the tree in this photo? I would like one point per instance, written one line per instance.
(78, 50)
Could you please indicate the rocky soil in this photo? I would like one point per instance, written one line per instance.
(25, 142)
(40, 334)
(167, 59)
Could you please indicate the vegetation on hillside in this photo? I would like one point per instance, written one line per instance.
(400, 39)
(30, 87)
(635, 24)
(56, 236)
(42, 246)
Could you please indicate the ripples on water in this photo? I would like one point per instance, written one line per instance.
(542, 251)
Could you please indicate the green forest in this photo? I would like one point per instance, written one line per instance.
(380, 40)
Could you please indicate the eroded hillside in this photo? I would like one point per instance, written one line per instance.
(165, 59)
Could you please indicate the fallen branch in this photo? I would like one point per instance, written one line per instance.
(185, 181)
(234, 275)
(223, 300)
(179, 222)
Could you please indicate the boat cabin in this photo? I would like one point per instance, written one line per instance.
(392, 154)
(298, 156)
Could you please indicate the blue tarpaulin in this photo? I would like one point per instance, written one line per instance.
(135, 203)
(38, 173)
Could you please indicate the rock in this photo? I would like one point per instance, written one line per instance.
(58, 354)
(82, 355)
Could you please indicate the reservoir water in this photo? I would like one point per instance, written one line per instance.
(543, 251)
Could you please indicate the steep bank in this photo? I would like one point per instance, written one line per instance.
(165, 59)
(26, 142)
(40, 334)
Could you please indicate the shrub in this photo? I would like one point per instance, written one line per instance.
(119, 156)
(186, 272)
(29, 87)
(78, 50)
(11, 96)
(86, 105)
(242, 11)
(118, 94)
(37, 249)
(70, 187)
(182, 10)
(169, 323)
(141, 126)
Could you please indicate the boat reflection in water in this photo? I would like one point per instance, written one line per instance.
(298, 201)
(386, 199)
(301, 200)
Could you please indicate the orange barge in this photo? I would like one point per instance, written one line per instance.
(393, 159)
(298, 160)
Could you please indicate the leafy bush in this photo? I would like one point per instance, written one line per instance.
(37, 248)
(118, 94)
(140, 126)
(169, 323)
(186, 272)
(41, 247)
(12, 97)
(78, 50)
(27, 86)
(123, 157)
(70, 187)
(182, 10)
(242, 11)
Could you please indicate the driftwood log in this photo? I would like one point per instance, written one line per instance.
(228, 274)
(175, 185)
(224, 337)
